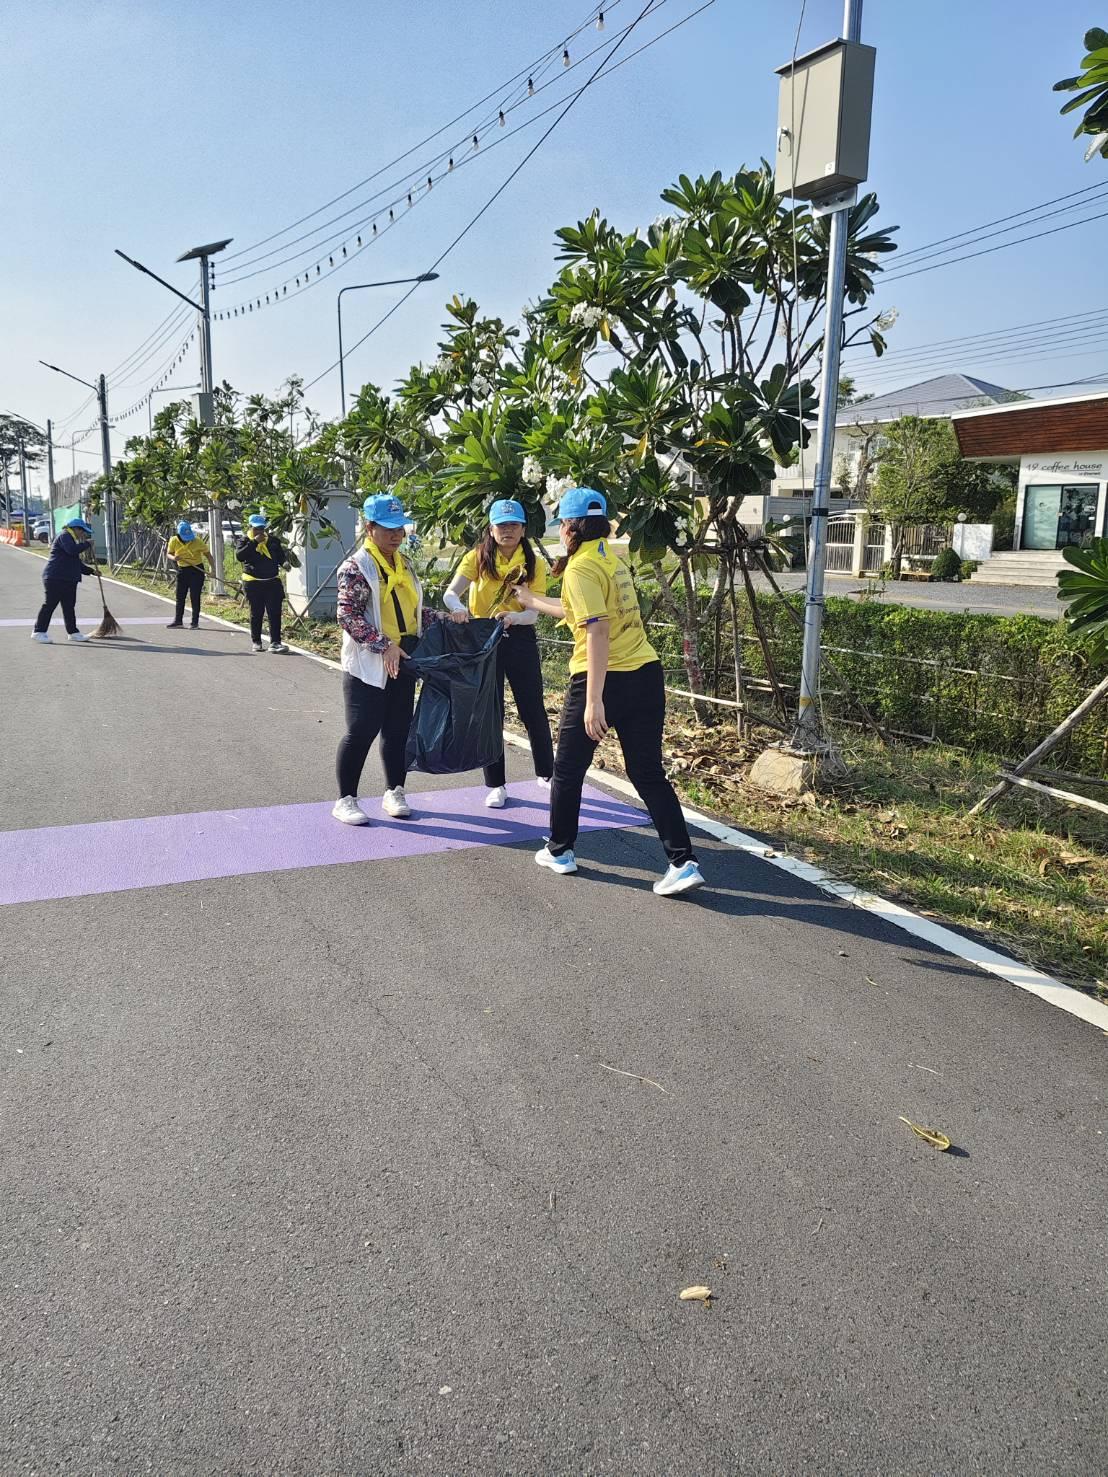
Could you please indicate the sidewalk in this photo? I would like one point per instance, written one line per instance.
(399, 1162)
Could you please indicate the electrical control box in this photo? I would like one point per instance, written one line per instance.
(823, 120)
(203, 407)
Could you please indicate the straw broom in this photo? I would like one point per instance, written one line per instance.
(108, 626)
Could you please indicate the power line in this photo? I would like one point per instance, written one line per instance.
(990, 353)
(989, 250)
(913, 349)
(527, 72)
(497, 192)
(412, 179)
(343, 256)
(1031, 210)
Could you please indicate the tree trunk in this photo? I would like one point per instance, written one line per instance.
(685, 614)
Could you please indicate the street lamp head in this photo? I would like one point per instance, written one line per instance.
(428, 277)
(210, 250)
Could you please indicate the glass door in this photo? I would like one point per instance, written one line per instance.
(1059, 517)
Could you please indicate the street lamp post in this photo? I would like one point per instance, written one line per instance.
(359, 287)
(100, 389)
(205, 409)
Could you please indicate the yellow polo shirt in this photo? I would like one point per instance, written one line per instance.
(597, 585)
(491, 596)
(189, 555)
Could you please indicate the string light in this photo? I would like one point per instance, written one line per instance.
(430, 183)
(344, 251)
(391, 216)
(330, 261)
(450, 164)
(600, 21)
(503, 120)
(375, 228)
(530, 87)
(409, 199)
(359, 241)
(317, 269)
(565, 56)
(475, 143)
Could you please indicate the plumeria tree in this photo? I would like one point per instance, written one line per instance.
(249, 458)
(670, 367)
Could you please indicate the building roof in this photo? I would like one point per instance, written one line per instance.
(1075, 423)
(942, 395)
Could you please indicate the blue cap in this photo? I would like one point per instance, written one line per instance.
(79, 523)
(184, 531)
(507, 510)
(258, 520)
(385, 510)
(583, 502)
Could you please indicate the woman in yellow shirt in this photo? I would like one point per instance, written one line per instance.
(486, 576)
(190, 554)
(615, 681)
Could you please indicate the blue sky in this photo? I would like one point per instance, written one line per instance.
(157, 126)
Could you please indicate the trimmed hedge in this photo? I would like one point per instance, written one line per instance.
(992, 683)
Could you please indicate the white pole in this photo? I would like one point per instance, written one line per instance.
(808, 735)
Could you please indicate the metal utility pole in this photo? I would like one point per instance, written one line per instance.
(851, 150)
(100, 390)
(50, 490)
(23, 489)
(205, 406)
(360, 287)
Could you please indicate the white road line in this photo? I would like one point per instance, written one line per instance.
(1053, 991)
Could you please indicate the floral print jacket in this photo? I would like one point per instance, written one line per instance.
(353, 601)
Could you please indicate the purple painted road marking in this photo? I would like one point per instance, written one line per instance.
(117, 856)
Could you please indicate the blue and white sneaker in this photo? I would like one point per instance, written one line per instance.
(563, 864)
(686, 878)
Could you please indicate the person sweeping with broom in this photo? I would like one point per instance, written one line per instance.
(61, 576)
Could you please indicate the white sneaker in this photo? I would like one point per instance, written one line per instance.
(76, 636)
(395, 803)
(350, 812)
(497, 798)
(563, 864)
(280, 648)
(42, 637)
(256, 646)
(686, 878)
(543, 784)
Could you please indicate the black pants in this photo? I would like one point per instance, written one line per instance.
(63, 593)
(517, 659)
(265, 598)
(371, 711)
(635, 706)
(190, 581)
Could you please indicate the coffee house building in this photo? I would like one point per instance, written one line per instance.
(1061, 449)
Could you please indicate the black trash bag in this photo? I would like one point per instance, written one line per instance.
(458, 723)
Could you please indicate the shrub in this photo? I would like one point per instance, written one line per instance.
(946, 566)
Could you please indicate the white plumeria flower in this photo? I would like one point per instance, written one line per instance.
(585, 315)
(532, 474)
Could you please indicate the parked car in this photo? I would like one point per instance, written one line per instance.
(40, 530)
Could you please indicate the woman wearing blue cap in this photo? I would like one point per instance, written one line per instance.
(486, 577)
(615, 681)
(189, 553)
(60, 577)
(262, 558)
(381, 612)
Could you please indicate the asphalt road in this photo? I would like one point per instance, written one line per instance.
(967, 596)
(337, 1170)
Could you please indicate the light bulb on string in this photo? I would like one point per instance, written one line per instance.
(317, 269)
(476, 145)
(359, 241)
(409, 199)
(565, 56)
(600, 21)
(430, 183)
(344, 251)
(391, 216)
(330, 261)
(503, 120)
(450, 164)
(530, 87)
(375, 228)
(284, 290)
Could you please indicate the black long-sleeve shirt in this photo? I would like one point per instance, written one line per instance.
(261, 565)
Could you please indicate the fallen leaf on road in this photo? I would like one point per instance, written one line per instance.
(697, 1295)
(1071, 859)
(930, 1136)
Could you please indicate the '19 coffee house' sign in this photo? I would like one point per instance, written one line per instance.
(1031, 468)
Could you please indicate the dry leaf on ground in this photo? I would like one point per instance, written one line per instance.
(696, 1295)
(930, 1136)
